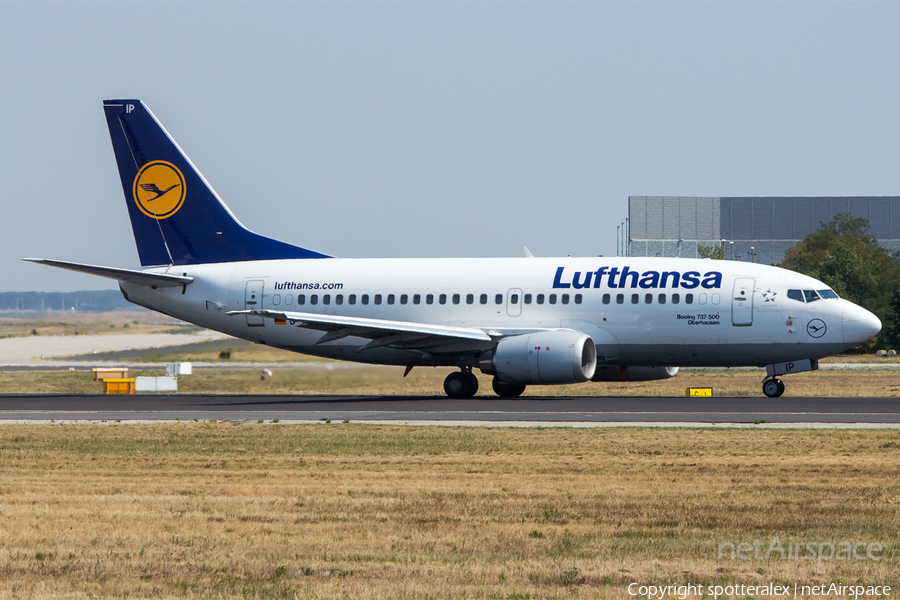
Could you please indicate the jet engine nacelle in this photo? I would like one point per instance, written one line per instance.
(624, 373)
(545, 357)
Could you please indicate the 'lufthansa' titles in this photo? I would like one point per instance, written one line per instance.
(626, 278)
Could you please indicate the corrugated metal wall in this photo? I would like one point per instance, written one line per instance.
(675, 225)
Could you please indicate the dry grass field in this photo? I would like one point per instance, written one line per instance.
(343, 378)
(208, 510)
(108, 323)
(244, 351)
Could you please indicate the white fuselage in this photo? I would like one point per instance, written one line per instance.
(663, 311)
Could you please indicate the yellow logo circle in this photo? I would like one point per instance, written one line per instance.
(159, 189)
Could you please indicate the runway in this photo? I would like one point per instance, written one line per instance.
(555, 411)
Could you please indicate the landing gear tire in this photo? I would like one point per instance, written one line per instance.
(461, 384)
(773, 388)
(507, 390)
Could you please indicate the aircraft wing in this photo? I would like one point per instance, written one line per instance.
(141, 277)
(381, 332)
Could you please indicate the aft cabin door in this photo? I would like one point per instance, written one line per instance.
(253, 300)
(742, 302)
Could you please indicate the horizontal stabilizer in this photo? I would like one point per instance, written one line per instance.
(129, 275)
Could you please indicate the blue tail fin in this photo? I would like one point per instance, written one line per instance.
(177, 218)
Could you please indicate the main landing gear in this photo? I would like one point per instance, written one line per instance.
(507, 390)
(461, 384)
(464, 384)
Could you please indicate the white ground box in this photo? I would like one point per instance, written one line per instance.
(175, 369)
(155, 384)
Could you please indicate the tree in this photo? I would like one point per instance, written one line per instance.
(714, 252)
(845, 256)
(890, 333)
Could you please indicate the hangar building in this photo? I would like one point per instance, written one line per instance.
(758, 229)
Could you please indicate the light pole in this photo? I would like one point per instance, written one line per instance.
(732, 249)
(752, 253)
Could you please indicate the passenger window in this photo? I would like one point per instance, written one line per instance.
(289, 299)
(429, 299)
(351, 299)
(577, 298)
(377, 298)
(795, 295)
(701, 299)
(676, 298)
(527, 298)
(313, 299)
(390, 298)
(442, 298)
(661, 298)
(276, 299)
(565, 298)
(688, 298)
(540, 298)
(455, 298)
(404, 298)
(635, 298)
(513, 298)
(716, 298)
(365, 298)
(605, 298)
(810, 295)
(470, 298)
(339, 299)
(326, 299)
(552, 298)
(620, 298)
(498, 299)
(648, 298)
(483, 299)
(417, 298)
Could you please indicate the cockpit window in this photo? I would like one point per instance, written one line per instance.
(795, 295)
(811, 295)
(828, 294)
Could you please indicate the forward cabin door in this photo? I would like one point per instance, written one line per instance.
(742, 302)
(253, 300)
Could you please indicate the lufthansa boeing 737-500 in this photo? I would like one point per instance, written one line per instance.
(525, 321)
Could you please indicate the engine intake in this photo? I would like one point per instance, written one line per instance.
(544, 357)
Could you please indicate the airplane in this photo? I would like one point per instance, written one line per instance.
(524, 321)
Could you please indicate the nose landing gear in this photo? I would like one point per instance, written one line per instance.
(773, 388)
(461, 384)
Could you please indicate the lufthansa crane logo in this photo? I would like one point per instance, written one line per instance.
(159, 189)
(816, 328)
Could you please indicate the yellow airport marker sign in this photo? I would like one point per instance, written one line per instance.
(704, 391)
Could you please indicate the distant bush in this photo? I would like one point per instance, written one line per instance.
(225, 353)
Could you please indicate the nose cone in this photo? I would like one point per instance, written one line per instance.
(859, 324)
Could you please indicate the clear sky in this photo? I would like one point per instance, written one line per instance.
(382, 129)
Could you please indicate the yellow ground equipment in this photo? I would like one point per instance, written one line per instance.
(118, 386)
